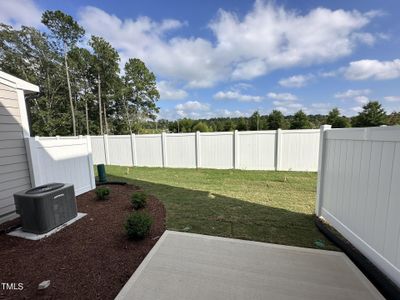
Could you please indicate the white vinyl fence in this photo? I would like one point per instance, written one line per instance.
(359, 191)
(65, 159)
(295, 150)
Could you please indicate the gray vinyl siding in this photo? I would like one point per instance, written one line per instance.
(14, 171)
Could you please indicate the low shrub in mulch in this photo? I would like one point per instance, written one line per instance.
(138, 200)
(102, 193)
(138, 225)
(90, 259)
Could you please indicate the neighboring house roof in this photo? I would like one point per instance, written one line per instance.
(18, 83)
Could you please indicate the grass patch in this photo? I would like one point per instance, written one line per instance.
(267, 206)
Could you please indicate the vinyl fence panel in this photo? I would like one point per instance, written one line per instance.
(149, 150)
(216, 150)
(360, 188)
(66, 160)
(299, 150)
(119, 147)
(99, 156)
(256, 150)
(295, 150)
(181, 150)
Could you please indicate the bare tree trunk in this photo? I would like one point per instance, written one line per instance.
(99, 93)
(87, 117)
(70, 94)
(105, 117)
(127, 116)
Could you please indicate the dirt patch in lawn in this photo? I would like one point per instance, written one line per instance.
(90, 259)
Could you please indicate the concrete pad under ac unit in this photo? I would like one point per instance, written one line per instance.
(34, 237)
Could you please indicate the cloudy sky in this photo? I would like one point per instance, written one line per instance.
(232, 57)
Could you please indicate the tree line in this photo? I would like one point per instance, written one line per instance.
(372, 115)
(82, 90)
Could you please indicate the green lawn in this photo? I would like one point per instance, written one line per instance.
(267, 206)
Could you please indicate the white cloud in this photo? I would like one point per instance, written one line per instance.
(20, 12)
(362, 99)
(356, 109)
(365, 37)
(392, 98)
(228, 113)
(193, 105)
(191, 109)
(372, 69)
(359, 96)
(267, 38)
(198, 110)
(285, 102)
(352, 93)
(282, 96)
(289, 108)
(169, 92)
(328, 74)
(270, 37)
(319, 108)
(236, 95)
(242, 86)
(296, 81)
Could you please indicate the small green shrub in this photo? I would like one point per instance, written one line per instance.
(138, 200)
(102, 193)
(138, 225)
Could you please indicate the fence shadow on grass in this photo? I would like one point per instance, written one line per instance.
(201, 212)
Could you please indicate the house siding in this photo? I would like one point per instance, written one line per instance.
(14, 171)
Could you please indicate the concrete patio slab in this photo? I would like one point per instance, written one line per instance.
(193, 266)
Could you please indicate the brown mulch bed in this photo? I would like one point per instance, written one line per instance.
(90, 259)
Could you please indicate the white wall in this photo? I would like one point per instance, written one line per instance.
(359, 191)
(295, 150)
(66, 159)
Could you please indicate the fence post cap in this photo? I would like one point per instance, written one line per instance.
(325, 126)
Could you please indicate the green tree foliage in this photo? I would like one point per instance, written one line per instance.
(229, 125)
(300, 121)
(394, 118)
(276, 120)
(29, 55)
(83, 80)
(67, 31)
(201, 126)
(372, 114)
(256, 122)
(336, 120)
(242, 124)
(141, 92)
(98, 91)
(106, 63)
